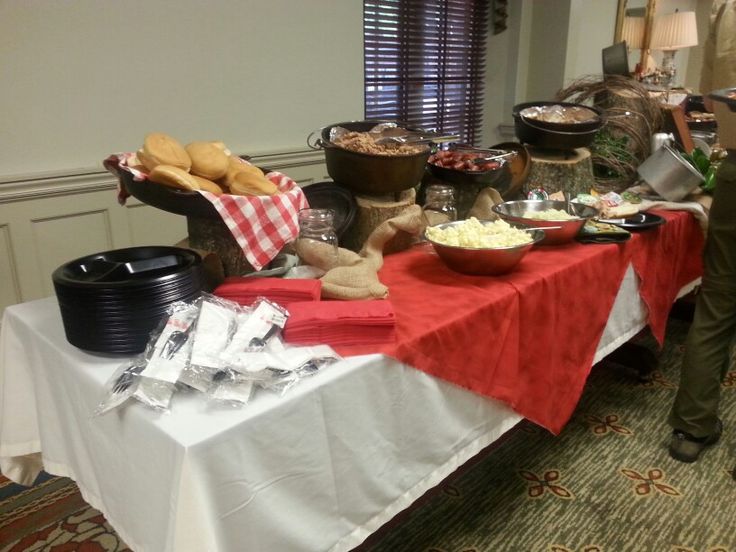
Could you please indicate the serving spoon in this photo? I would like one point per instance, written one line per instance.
(417, 138)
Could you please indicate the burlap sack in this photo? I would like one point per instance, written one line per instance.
(486, 198)
(322, 255)
(389, 233)
(353, 282)
(353, 276)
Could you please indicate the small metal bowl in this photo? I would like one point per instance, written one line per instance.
(483, 261)
(556, 231)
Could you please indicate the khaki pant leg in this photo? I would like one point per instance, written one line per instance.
(712, 332)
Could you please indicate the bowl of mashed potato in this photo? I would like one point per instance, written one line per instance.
(560, 223)
(478, 247)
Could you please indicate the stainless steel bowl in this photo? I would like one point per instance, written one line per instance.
(556, 231)
(483, 261)
(670, 174)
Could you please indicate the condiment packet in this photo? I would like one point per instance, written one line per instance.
(611, 199)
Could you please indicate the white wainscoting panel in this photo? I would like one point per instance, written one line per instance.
(48, 219)
(59, 239)
(152, 226)
(9, 290)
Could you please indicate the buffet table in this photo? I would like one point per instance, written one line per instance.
(326, 465)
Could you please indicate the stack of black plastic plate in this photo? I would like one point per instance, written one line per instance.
(111, 301)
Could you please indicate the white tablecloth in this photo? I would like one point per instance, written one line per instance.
(319, 469)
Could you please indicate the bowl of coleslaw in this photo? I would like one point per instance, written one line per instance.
(560, 222)
(482, 248)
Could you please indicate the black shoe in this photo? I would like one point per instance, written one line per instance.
(686, 448)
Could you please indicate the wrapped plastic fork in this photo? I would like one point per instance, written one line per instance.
(121, 385)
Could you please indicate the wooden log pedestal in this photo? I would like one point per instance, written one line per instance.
(560, 170)
(372, 211)
(210, 234)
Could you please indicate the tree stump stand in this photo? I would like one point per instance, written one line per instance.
(214, 235)
(374, 210)
(564, 170)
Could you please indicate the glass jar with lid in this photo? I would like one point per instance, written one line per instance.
(317, 236)
(439, 204)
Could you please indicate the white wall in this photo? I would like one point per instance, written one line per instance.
(548, 49)
(695, 54)
(505, 68)
(87, 78)
(590, 29)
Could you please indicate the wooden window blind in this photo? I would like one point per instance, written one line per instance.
(424, 63)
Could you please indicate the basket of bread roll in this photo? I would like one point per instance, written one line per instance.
(168, 175)
(204, 179)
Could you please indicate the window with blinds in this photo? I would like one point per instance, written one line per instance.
(424, 63)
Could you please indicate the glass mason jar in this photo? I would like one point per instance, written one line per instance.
(317, 237)
(439, 204)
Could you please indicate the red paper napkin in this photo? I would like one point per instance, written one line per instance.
(245, 290)
(340, 322)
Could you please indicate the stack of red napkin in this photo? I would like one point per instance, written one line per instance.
(340, 323)
(245, 290)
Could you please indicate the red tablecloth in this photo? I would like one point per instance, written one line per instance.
(529, 338)
(665, 259)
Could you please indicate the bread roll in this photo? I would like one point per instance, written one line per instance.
(249, 184)
(620, 211)
(174, 177)
(162, 149)
(208, 160)
(208, 185)
(223, 147)
(237, 166)
(135, 163)
(148, 162)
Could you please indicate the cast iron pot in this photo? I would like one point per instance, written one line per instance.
(561, 136)
(499, 178)
(371, 174)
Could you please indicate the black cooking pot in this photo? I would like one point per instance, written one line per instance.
(371, 174)
(551, 135)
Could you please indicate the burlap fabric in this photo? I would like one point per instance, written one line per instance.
(486, 198)
(354, 276)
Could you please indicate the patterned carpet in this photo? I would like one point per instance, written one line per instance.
(606, 484)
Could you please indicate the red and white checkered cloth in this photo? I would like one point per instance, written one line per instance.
(262, 225)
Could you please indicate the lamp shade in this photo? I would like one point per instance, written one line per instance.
(674, 31)
(633, 32)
